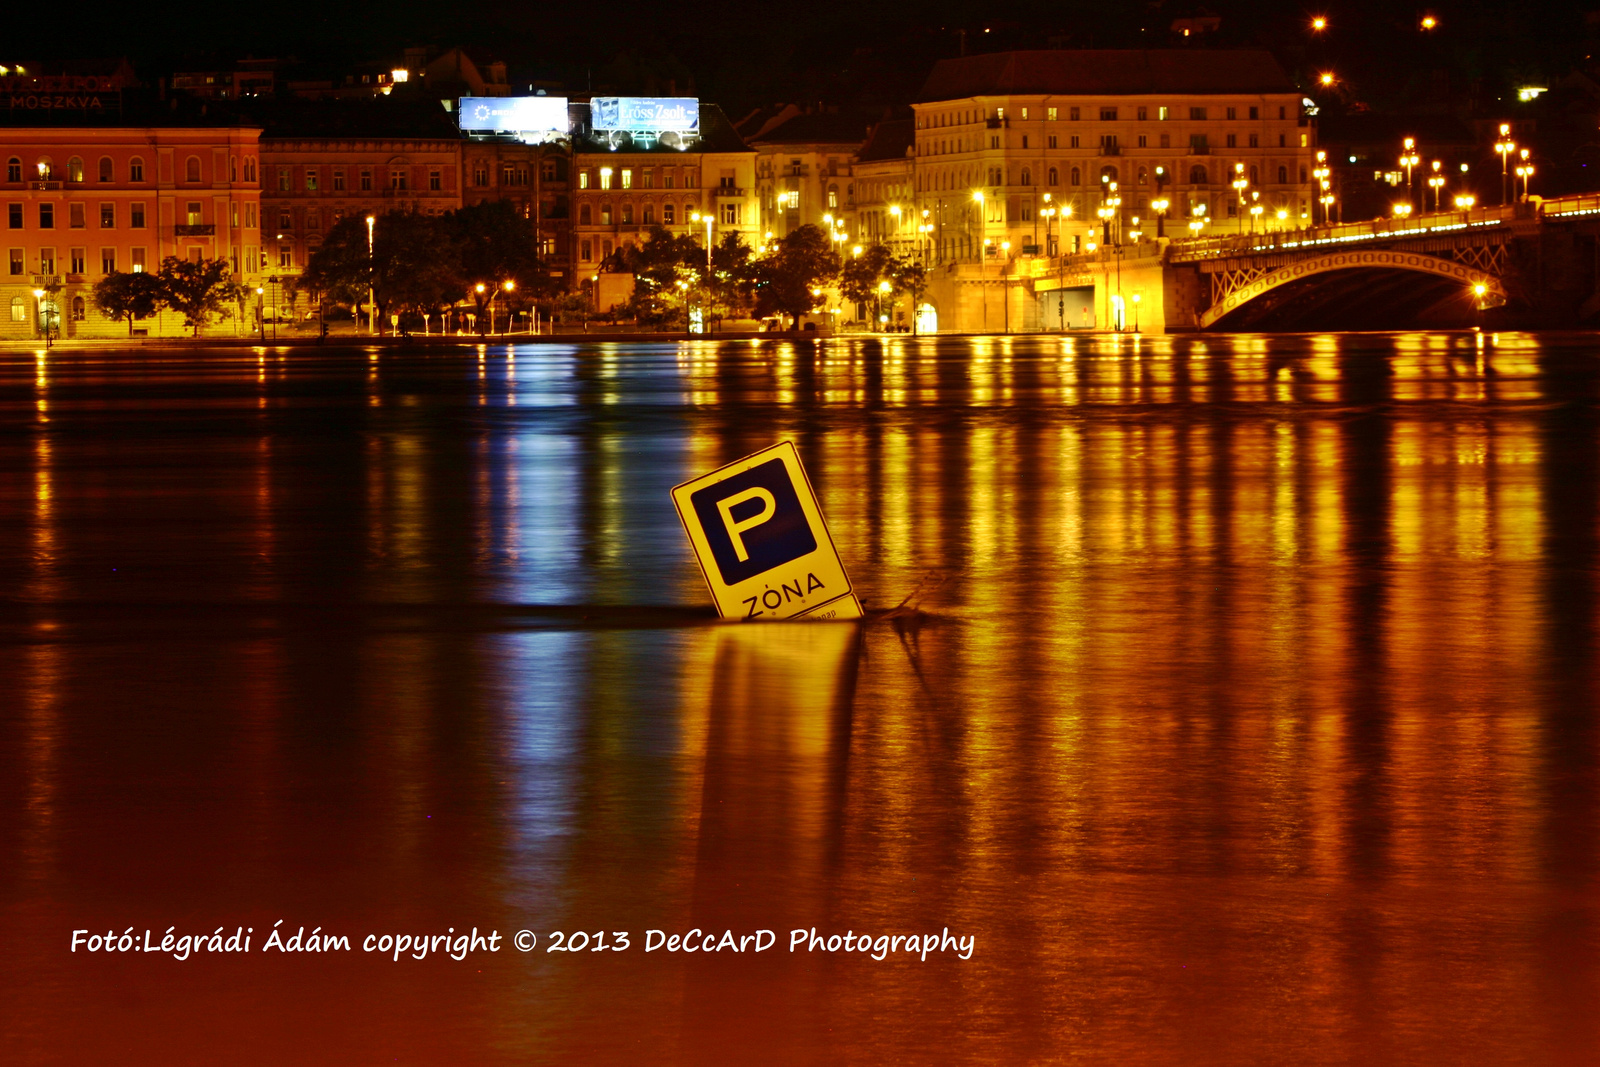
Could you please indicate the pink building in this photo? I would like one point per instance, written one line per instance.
(81, 201)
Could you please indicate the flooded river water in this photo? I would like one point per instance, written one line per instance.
(1250, 716)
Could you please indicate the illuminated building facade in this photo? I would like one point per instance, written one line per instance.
(805, 168)
(621, 187)
(320, 165)
(885, 180)
(82, 201)
(996, 133)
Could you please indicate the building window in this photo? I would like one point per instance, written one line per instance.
(627, 178)
(1197, 140)
(14, 216)
(1052, 141)
(670, 177)
(1108, 140)
(105, 168)
(649, 218)
(77, 309)
(584, 217)
(1027, 177)
(311, 181)
(1255, 113)
(1197, 114)
(1072, 114)
(583, 179)
(191, 169)
(285, 220)
(136, 216)
(338, 181)
(1024, 140)
(667, 214)
(1162, 114)
(1254, 176)
(75, 263)
(249, 168)
(1283, 175)
(833, 196)
(1050, 113)
(586, 251)
(366, 181)
(1144, 176)
(108, 216)
(285, 256)
(74, 169)
(47, 216)
(548, 170)
(1074, 142)
(605, 249)
(730, 214)
(13, 169)
(108, 261)
(233, 169)
(1303, 140)
(313, 220)
(19, 310)
(1283, 142)
(1166, 140)
(1024, 113)
(283, 179)
(1144, 141)
(1054, 176)
(75, 216)
(1077, 176)
(1108, 114)
(605, 177)
(435, 180)
(397, 179)
(627, 214)
(1232, 113)
(1144, 114)
(605, 214)
(1255, 141)
(47, 261)
(249, 217)
(15, 259)
(1197, 175)
(136, 170)
(1233, 140)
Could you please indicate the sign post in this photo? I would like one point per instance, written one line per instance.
(761, 542)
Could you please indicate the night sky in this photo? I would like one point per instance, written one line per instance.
(742, 55)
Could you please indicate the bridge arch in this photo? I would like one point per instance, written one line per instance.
(1352, 259)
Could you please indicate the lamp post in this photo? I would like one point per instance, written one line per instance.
(42, 316)
(1503, 148)
(883, 320)
(1409, 159)
(1240, 184)
(510, 287)
(1160, 208)
(372, 308)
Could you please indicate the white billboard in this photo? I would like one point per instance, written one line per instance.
(645, 114)
(513, 114)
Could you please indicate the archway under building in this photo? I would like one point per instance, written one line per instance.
(927, 318)
(1070, 308)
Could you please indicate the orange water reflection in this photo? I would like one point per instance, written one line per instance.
(1251, 721)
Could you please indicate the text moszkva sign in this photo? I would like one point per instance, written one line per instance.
(759, 537)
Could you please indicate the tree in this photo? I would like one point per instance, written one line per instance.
(789, 280)
(128, 295)
(414, 265)
(666, 269)
(911, 278)
(196, 288)
(495, 245)
(862, 275)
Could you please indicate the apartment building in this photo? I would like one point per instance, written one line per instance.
(1116, 130)
(81, 201)
(804, 167)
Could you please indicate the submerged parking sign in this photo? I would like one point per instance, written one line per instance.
(759, 536)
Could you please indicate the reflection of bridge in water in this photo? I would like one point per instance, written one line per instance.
(1534, 264)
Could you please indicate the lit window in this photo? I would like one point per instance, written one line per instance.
(108, 216)
(74, 169)
(627, 178)
(311, 181)
(605, 177)
(19, 309)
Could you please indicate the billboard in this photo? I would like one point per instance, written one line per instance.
(513, 114)
(645, 114)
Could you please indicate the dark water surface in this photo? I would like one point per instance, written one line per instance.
(1252, 719)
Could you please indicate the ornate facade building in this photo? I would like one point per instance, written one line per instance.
(82, 201)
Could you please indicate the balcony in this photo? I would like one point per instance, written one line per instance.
(997, 123)
(1199, 150)
(1111, 150)
(727, 190)
(195, 229)
(44, 186)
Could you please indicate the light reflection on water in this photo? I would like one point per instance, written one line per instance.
(1252, 720)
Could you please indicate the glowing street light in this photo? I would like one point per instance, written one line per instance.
(1504, 147)
(1326, 78)
(1429, 22)
(372, 307)
(1318, 23)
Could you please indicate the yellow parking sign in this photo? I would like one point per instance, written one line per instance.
(758, 535)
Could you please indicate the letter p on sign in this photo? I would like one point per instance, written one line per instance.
(761, 543)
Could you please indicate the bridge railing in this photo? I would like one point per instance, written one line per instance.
(1583, 204)
(1191, 248)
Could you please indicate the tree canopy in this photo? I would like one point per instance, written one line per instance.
(789, 279)
(128, 295)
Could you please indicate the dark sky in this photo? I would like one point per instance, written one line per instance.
(746, 53)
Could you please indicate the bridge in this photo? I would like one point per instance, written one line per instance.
(1535, 263)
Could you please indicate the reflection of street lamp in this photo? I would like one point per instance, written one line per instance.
(1005, 302)
(706, 218)
(372, 307)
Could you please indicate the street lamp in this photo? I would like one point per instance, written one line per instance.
(1160, 208)
(1318, 24)
(1409, 159)
(706, 218)
(371, 306)
(42, 316)
(1401, 210)
(1504, 147)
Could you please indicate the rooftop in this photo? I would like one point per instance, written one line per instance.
(1107, 72)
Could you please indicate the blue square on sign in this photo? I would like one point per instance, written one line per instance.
(753, 521)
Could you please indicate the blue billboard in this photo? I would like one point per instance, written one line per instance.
(513, 114)
(645, 114)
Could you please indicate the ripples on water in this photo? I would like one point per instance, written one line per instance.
(1251, 721)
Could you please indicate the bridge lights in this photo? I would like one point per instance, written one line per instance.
(1504, 147)
(1402, 211)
